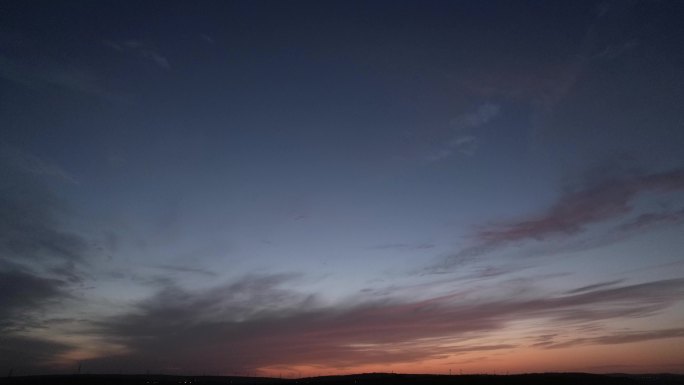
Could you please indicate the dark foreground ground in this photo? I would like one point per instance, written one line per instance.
(362, 379)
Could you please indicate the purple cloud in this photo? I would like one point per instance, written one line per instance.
(575, 210)
(610, 199)
(211, 329)
(653, 219)
(618, 338)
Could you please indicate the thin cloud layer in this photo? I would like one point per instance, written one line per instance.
(462, 139)
(610, 199)
(40, 259)
(78, 78)
(617, 338)
(31, 226)
(23, 293)
(25, 355)
(545, 85)
(574, 211)
(142, 49)
(162, 165)
(647, 220)
(208, 329)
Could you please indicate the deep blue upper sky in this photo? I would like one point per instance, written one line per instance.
(341, 186)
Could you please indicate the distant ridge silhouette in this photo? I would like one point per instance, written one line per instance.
(365, 379)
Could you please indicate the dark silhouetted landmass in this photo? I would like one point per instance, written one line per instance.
(364, 379)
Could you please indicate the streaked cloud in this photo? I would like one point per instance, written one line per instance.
(577, 209)
(29, 163)
(142, 49)
(208, 39)
(24, 293)
(546, 85)
(653, 219)
(404, 246)
(65, 76)
(462, 140)
(41, 259)
(573, 212)
(617, 338)
(377, 195)
(483, 115)
(186, 269)
(31, 225)
(28, 355)
(286, 328)
(594, 286)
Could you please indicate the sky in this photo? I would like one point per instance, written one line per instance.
(298, 188)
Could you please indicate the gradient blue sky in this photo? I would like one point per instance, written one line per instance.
(317, 187)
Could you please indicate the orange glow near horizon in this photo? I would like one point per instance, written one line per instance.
(643, 357)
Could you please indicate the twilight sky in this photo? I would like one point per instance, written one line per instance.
(319, 187)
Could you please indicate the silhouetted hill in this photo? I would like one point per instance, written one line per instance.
(357, 379)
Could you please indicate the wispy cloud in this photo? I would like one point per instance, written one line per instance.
(546, 85)
(186, 269)
(77, 78)
(575, 210)
(24, 293)
(157, 58)
(26, 162)
(141, 49)
(618, 338)
(484, 114)
(594, 286)
(462, 140)
(40, 258)
(653, 219)
(29, 355)
(208, 39)
(212, 330)
(31, 225)
(404, 246)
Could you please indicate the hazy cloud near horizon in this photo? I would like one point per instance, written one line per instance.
(338, 187)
